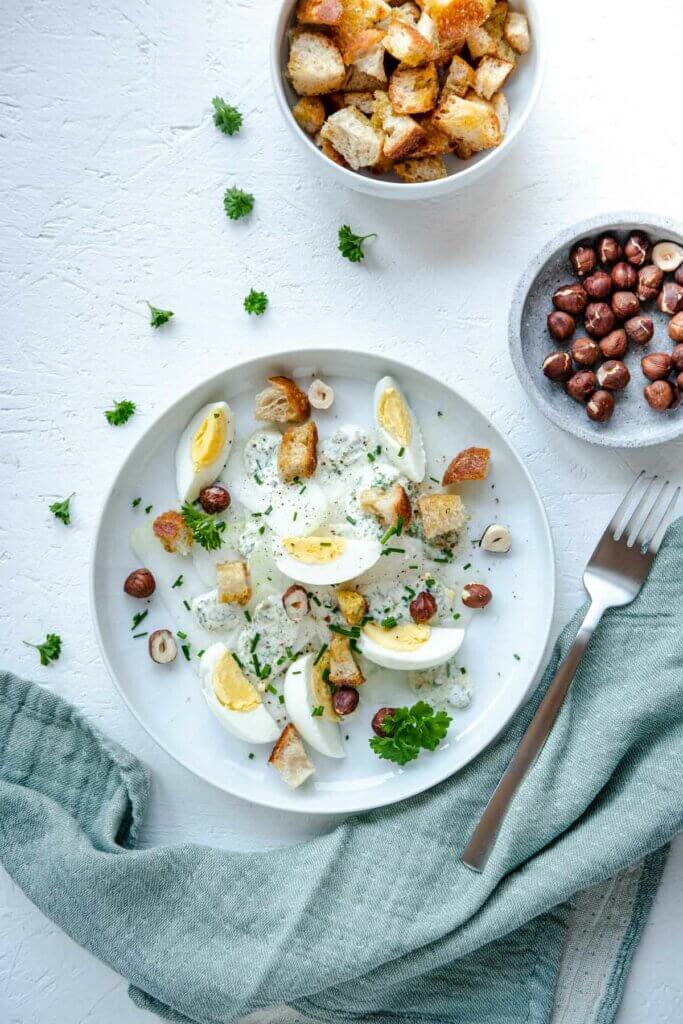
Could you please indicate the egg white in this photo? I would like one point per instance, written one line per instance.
(441, 645)
(189, 480)
(255, 726)
(323, 735)
(413, 461)
(357, 557)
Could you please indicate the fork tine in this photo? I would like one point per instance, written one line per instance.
(618, 515)
(666, 519)
(642, 510)
(653, 519)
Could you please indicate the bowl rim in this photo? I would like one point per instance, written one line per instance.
(395, 189)
(591, 226)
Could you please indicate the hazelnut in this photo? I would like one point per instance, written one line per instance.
(615, 345)
(345, 700)
(677, 358)
(625, 305)
(162, 646)
(598, 284)
(585, 352)
(613, 375)
(140, 583)
(561, 325)
(639, 329)
(570, 298)
(320, 395)
(600, 406)
(608, 249)
(679, 382)
(214, 499)
(676, 327)
(378, 720)
(624, 276)
(296, 603)
(638, 248)
(659, 395)
(657, 365)
(678, 276)
(496, 538)
(599, 319)
(668, 256)
(557, 366)
(670, 299)
(476, 595)
(583, 259)
(649, 282)
(423, 607)
(581, 386)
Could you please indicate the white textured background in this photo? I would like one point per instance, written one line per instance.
(111, 184)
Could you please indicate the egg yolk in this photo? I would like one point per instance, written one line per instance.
(232, 688)
(208, 442)
(314, 550)
(394, 415)
(407, 637)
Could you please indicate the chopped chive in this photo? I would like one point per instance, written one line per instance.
(258, 479)
(401, 452)
(456, 616)
(183, 636)
(135, 502)
(281, 699)
(265, 672)
(320, 654)
(138, 617)
(516, 657)
(434, 479)
(261, 530)
(302, 489)
(294, 517)
(247, 615)
(430, 581)
(354, 631)
(350, 520)
(388, 623)
(314, 597)
(185, 648)
(468, 566)
(254, 642)
(178, 582)
(136, 635)
(394, 551)
(289, 652)
(411, 592)
(237, 660)
(187, 606)
(251, 757)
(271, 689)
(316, 712)
(371, 457)
(463, 671)
(199, 653)
(148, 509)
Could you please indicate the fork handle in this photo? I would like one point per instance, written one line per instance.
(476, 853)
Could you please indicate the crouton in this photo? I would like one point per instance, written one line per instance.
(495, 22)
(290, 759)
(343, 668)
(363, 42)
(309, 114)
(298, 452)
(500, 105)
(402, 135)
(358, 80)
(460, 78)
(471, 121)
(480, 43)
(319, 12)
(352, 134)
(455, 19)
(413, 90)
(428, 168)
(408, 12)
(282, 402)
(435, 143)
(505, 52)
(352, 605)
(329, 151)
(232, 583)
(173, 533)
(443, 517)
(491, 75)
(516, 32)
(469, 464)
(315, 64)
(388, 505)
(358, 15)
(365, 101)
(406, 44)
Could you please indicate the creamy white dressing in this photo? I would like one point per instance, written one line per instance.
(216, 617)
(446, 685)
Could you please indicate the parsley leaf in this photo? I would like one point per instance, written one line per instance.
(205, 530)
(121, 413)
(61, 510)
(408, 730)
(157, 316)
(237, 203)
(49, 650)
(256, 302)
(350, 245)
(225, 117)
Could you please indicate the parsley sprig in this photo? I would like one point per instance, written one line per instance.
(49, 650)
(121, 413)
(226, 117)
(206, 530)
(256, 302)
(157, 316)
(351, 245)
(409, 730)
(61, 509)
(237, 203)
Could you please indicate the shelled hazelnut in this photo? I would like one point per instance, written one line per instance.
(625, 305)
(214, 499)
(584, 352)
(600, 406)
(581, 386)
(679, 382)
(659, 395)
(638, 248)
(676, 327)
(583, 259)
(139, 583)
(598, 284)
(670, 299)
(570, 298)
(615, 345)
(598, 319)
(677, 358)
(557, 366)
(608, 249)
(639, 329)
(678, 276)
(476, 595)
(650, 280)
(624, 276)
(668, 256)
(613, 375)
(656, 365)
(561, 325)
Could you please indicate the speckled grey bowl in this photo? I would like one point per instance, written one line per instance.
(634, 424)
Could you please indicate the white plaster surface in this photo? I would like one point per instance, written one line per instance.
(111, 185)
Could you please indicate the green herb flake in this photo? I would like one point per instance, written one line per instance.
(350, 520)
(237, 204)
(136, 636)
(121, 413)
(206, 530)
(135, 502)
(351, 245)
(320, 654)
(389, 623)
(251, 757)
(187, 605)
(185, 648)
(148, 508)
(61, 510)
(181, 635)
(178, 582)
(256, 302)
(410, 730)
(157, 316)
(49, 650)
(138, 617)
(226, 117)
(317, 712)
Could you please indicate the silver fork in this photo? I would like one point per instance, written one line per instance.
(613, 577)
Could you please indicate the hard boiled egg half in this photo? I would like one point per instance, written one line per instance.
(410, 645)
(325, 561)
(308, 701)
(399, 430)
(234, 701)
(204, 449)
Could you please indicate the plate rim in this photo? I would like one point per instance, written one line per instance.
(318, 356)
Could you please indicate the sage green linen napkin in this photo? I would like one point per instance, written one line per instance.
(378, 920)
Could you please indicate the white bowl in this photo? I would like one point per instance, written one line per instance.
(522, 93)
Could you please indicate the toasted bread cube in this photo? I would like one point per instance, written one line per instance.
(362, 43)
(414, 90)
(343, 668)
(358, 80)
(408, 12)
(435, 142)
(491, 76)
(315, 64)
(455, 19)
(364, 101)
(460, 78)
(352, 605)
(469, 464)
(481, 43)
(352, 134)
(371, 64)
(297, 455)
(232, 582)
(171, 530)
(388, 505)
(502, 108)
(282, 402)
(463, 150)
(427, 168)
(471, 121)
(309, 114)
(402, 135)
(329, 151)
(290, 759)
(358, 15)
(443, 516)
(495, 22)
(517, 32)
(319, 12)
(406, 44)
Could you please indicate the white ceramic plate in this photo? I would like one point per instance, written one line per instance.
(503, 651)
